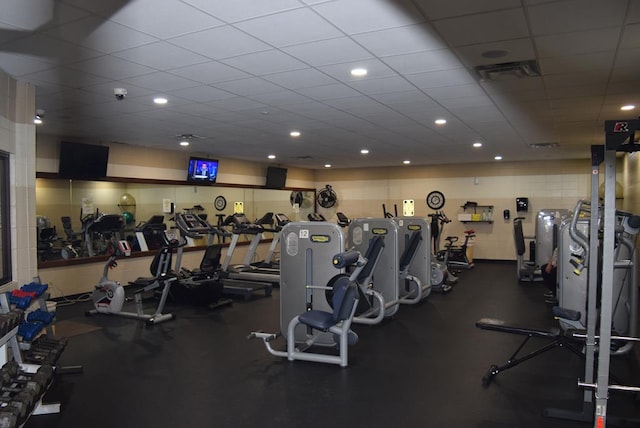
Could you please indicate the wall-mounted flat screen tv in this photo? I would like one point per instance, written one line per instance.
(83, 161)
(203, 171)
(276, 177)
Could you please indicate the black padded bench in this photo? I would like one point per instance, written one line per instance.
(555, 337)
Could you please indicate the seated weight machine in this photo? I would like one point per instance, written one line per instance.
(326, 311)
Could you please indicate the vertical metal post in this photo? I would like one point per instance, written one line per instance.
(602, 385)
(592, 281)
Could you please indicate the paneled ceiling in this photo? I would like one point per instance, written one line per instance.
(240, 75)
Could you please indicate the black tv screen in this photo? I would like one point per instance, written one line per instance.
(276, 177)
(83, 161)
(204, 171)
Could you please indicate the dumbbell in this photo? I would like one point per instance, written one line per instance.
(16, 408)
(11, 374)
(44, 342)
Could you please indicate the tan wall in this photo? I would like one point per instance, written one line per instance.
(551, 184)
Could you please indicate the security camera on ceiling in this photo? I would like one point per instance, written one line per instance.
(119, 93)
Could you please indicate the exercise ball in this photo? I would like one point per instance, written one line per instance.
(619, 190)
(127, 202)
(128, 217)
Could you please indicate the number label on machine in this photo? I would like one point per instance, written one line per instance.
(408, 208)
(238, 207)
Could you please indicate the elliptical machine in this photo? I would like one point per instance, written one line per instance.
(109, 296)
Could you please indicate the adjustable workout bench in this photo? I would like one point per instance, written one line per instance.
(553, 335)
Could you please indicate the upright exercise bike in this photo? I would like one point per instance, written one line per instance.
(109, 296)
(456, 256)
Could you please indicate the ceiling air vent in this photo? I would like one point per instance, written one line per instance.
(543, 146)
(508, 70)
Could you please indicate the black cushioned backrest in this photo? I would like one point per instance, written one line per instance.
(156, 267)
(211, 258)
(344, 296)
(376, 245)
(410, 250)
(518, 235)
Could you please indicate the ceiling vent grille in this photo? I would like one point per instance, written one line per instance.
(543, 146)
(508, 70)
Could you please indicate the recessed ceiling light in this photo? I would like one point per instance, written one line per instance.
(628, 107)
(294, 134)
(406, 162)
(359, 72)
(364, 151)
(160, 100)
(498, 157)
(327, 165)
(184, 143)
(478, 144)
(271, 156)
(440, 121)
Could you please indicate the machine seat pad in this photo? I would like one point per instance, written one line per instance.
(320, 320)
(499, 325)
(566, 314)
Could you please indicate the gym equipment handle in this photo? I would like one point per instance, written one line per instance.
(345, 259)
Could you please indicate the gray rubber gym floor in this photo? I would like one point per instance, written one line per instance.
(421, 369)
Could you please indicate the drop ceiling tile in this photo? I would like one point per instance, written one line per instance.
(158, 18)
(577, 63)
(630, 37)
(474, 101)
(581, 42)
(160, 81)
(17, 64)
(298, 79)
(421, 62)
(436, 79)
(27, 15)
(515, 50)
(399, 40)
(359, 16)
(382, 85)
(247, 87)
(237, 104)
(532, 84)
(232, 11)
(201, 94)
(568, 80)
(111, 67)
(161, 56)
(569, 16)
(265, 62)
(405, 99)
(375, 68)
(104, 36)
(9, 32)
(209, 72)
(328, 92)
(454, 92)
(438, 9)
(51, 50)
(484, 27)
(280, 98)
(580, 90)
(290, 28)
(65, 77)
(220, 42)
(325, 52)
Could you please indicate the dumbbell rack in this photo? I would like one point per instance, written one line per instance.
(10, 340)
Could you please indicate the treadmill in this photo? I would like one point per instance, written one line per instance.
(194, 226)
(241, 225)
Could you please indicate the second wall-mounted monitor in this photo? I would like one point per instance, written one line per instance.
(203, 171)
(276, 177)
